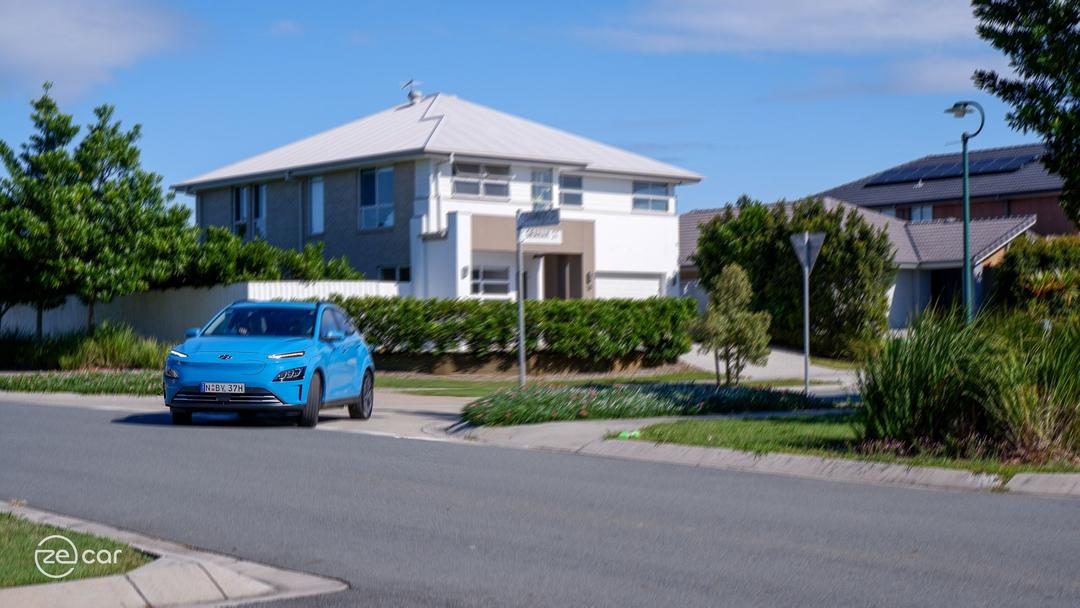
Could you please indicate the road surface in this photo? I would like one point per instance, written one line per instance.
(410, 522)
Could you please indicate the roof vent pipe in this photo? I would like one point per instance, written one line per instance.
(414, 96)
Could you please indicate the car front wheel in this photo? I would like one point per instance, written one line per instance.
(361, 408)
(309, 417)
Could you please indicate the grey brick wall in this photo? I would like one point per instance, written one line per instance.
(287, 215)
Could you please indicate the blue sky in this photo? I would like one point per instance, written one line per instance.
(780, 98)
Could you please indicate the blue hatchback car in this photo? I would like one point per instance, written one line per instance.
(287, 357)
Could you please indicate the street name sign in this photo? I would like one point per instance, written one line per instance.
(534, 219)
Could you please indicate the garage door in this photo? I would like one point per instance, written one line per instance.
(628, 285)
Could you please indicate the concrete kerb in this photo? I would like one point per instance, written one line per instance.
(179, 576)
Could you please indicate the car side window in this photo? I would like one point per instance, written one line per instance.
(344, 323)
(328, 324)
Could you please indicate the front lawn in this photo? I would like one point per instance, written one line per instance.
(92, 382)
(548, 403)
(19, 540)
(833, 436)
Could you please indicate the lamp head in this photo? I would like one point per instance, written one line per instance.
(959, 109)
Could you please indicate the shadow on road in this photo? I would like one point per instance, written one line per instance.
(223, 419)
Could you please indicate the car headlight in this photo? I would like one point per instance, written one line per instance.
(296, 373)
(292, 355)
(171, 373)
(176, 353)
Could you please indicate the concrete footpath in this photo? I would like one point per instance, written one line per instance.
(591, 438)
(179, 576)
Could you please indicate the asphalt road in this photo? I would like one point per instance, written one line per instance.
(409, 522)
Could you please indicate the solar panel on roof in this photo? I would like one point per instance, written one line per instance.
(983, 166)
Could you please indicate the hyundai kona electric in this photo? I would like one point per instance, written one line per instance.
(292, 358)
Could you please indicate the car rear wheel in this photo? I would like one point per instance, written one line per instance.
(362, 407)
(180, 417)
(309, 417)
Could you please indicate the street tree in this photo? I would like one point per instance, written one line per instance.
(728, 329)
(1040, 39)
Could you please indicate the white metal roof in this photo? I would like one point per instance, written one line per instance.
(439, 124)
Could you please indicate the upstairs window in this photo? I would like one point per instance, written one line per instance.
(241, 202)
(258, 211)
(542, 180)
(316, 207)
(477, 179)
(651, 196)
(377, 198)
(570, 190)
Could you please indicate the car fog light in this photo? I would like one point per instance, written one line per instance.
(296, 373)
(171, 373)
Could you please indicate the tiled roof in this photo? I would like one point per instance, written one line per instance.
(441, 124)
(1031, 178)
(936, 242)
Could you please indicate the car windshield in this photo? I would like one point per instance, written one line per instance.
(263, 321)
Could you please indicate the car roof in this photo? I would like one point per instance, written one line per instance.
(275, 304)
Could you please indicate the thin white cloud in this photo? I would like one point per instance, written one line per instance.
(942, 74)
(789, 25)
(77, 45)
(285, 27)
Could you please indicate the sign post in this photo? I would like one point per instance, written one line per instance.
(527, 220)
(807, 247)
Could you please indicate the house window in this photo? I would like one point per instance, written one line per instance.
(258, 211)
(542, 180)
(476, 179)
(316, 208)
(395, 273)
(570, 190)
(491, 280)
(240, 210)
(377, 198)
(915, 213)
(651, 196)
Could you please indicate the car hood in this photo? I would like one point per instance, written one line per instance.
(241, 348)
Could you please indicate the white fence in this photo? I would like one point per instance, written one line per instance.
(166, 314)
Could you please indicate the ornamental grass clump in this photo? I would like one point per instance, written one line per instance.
(550, 403)
(1004, 386)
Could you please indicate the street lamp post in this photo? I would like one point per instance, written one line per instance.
(961, 109)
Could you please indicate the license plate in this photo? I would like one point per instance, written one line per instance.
(222, 387)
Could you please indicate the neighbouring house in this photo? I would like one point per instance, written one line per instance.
(426, 192)
(1009, 181)
(928, 255)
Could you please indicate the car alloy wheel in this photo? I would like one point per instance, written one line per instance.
(361, 408)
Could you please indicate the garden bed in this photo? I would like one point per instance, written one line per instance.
(549, 403)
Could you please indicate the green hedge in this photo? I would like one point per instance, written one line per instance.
(593, 330)
(1043, 273)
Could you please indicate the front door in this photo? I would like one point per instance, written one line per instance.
(562, 277)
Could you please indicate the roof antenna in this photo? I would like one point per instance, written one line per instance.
(414, 93)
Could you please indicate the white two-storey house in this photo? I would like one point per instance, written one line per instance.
(426, 193)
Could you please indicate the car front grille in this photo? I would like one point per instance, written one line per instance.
(252, 396)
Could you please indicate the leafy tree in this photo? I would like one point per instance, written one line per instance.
(131, 231)
(848, 290)
(729, 329)
(38, 212)
(1040, 38)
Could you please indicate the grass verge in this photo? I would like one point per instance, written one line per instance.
(834, 436)
(91, 382)
(548, 403)
(19, 540)
(844, 364)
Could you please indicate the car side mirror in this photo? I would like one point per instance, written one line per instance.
(334, 336)
(192, 332)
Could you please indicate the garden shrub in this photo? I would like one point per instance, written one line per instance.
(548, 403)
(109, 345)
(593, 330)
(1001, 386)
(848, 288)
(1042, 274)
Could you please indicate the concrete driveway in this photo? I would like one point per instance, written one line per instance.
(782, 364)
